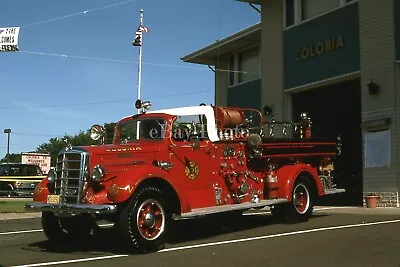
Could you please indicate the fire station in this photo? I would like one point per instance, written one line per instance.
(337, 60)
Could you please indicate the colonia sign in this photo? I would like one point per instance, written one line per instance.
(320, 48)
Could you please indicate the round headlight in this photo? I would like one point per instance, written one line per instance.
(96, 132)
(98, 173)
(51, 176)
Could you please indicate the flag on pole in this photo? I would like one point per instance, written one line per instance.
(138, 35)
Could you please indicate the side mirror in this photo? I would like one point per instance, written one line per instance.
(97, 132)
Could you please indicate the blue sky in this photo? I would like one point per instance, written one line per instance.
(46, 96)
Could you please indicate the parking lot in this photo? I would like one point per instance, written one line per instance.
(332, 237)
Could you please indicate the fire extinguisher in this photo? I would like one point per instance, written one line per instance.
(272, 184)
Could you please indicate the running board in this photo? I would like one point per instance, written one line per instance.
(227, 207)
(334, 191)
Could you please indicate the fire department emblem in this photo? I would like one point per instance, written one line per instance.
(192, 170)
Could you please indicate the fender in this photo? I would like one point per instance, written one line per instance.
(122, 187)
(41, 191)
(288, 174)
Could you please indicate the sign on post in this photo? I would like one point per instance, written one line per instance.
(9, 39)
(40, 159)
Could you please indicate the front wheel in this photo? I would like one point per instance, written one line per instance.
(59, 229)
(143, 222)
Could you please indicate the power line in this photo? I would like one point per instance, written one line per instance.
(78, 13)
(109, 59)
(36, 134)
(106, 102)
(122, 61)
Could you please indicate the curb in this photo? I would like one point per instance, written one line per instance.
(18, 216)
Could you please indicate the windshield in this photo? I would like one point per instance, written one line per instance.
(20, 170)
(142, 129)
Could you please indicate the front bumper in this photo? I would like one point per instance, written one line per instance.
(71, 209)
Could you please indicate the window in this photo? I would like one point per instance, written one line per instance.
(312, 8)
(244, 66)
(249, 65)
(297, 11)
(232, 69)
(189, 125)
(149, 129)
(289, 15)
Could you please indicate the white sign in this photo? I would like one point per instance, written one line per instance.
(40, 159)
(9, 39)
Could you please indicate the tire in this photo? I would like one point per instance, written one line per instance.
(301, 206)
(59, 229)
(144, 221)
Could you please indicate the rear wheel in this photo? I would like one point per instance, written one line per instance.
(144, 221)
(301, 206)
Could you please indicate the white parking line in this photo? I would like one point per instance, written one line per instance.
(278, 235)
(71, 261)
(217, 243)
(40, 230)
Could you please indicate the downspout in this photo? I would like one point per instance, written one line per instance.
(397, 100)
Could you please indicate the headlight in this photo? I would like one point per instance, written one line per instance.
(51, 176)
(98, 173)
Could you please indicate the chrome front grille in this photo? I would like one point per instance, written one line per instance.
(71, 172)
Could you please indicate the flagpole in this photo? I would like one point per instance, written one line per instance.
(140, 60)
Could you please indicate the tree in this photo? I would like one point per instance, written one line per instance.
(14, 158)
(55, 144)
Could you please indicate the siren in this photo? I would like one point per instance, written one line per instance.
(143, 105)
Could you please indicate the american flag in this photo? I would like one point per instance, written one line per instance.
(138, 35)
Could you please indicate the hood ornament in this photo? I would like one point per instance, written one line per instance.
(68, 144)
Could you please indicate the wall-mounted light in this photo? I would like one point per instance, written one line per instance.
(373, 88)
(267, 110)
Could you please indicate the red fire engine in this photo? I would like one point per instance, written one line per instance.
(182, 163)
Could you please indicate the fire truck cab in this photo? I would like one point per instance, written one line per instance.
(179, 163)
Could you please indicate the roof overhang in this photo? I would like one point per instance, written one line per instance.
(209, 55)
(258, 2)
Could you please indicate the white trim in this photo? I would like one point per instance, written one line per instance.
(230, 39)
(298, 20)
(238, 84)
(325, 82)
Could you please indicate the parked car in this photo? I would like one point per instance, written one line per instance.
(19, 179)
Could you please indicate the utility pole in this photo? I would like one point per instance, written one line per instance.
(8, 131)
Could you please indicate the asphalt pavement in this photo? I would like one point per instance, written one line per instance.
(334, 236)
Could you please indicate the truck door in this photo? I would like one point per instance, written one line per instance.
(194, 161)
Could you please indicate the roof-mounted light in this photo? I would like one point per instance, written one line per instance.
(143, 105)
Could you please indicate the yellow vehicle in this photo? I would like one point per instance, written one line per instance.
(19, 179)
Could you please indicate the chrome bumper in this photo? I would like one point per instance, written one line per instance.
(71, 209)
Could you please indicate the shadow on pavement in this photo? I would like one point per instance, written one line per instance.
(106, 239)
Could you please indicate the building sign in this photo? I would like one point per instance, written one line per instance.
(322, 48)
(326, 46)
(9, 39)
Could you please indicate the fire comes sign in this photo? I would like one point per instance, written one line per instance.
(9, 39)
